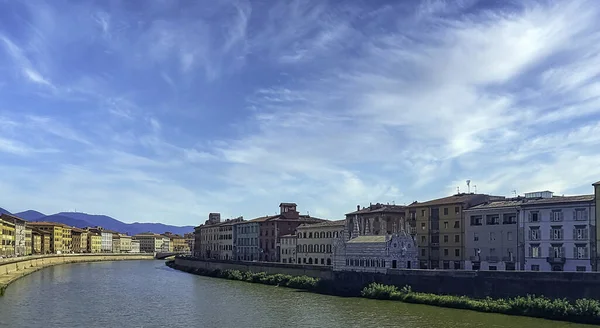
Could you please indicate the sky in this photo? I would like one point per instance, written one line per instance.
(164, 111)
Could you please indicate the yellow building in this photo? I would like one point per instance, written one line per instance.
(94, 244)
(67, 239)
(36, 241)
(57, 235)
(125, 242)
(79, 240)
(7, 245)
(440, 229)
(178, 243)
(28, 241)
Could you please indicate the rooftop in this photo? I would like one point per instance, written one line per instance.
(11, 217)
(560, 200)
(380, 208)
(46, 224)
(454, 199)
(326, 223)
(367, 239)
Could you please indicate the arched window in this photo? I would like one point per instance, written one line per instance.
(328, 248)
(322, 234)
(335, 234)
(305, 248)
(310, 261)
(328, 234)
(305, 235)
(328, 261)
(310, 248)
(310, 235)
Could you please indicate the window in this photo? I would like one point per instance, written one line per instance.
(534, 233)
(581, 251)
(445, 252)
(556, 251)
(456, 210)
(535, 267)
(492, 236)
(509, 236)
(556, 233)
(457, 238)
(475, 237)
(492, 219)
(445, 224)
(445, 238)
(456, 224)
(423, 239)
(422, 212)
(556, 216)
(580, 215)
(580, 233)
(476, 220)
(534, 217)
(535, 251)
(457, 252)
(422, 226)
(445, 211)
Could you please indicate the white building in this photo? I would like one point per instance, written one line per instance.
(376, 253)
(165, 247)
(149, 242)
(315, 242)
(558, 232)
(288, 249)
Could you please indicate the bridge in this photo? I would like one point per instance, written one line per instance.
(165, 255)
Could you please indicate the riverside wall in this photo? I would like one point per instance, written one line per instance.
(14, 268)
(475, 284)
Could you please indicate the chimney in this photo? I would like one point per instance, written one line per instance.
(358, 207)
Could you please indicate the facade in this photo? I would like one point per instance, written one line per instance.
(246, 241)
(271, 229)
(375, 253)
(20, 248)
(80, 240)
(558, 232)
(135, 246)
(440, 225)
(288, 249)
(150, 242)
(167, 246)
(209, 237)
(94, 244)
(67, 239)
(196, 249)
(377, 219)
(226, 238)
(491, 236)
(178, 242)
(189, 240)
(56, 232)
(125, 242)
(36, 242)
(315, 241)
(116, 242)
(28, 241)
(7, 236)
(597, 214)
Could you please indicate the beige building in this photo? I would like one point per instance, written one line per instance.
(125, 242)
(288, 249)
(178, 242)
(135, 246)
(19, 238)
(116, 243)
(150, 242)
(7, 236)
(57, 235)
(315, 241)
(208, 248)
(28, 241)
(225, 241)
(94, 244)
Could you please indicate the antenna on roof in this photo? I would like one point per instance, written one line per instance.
(475, 188)
(458, 190)
(393, 202)
(515, 192)
(468, 186)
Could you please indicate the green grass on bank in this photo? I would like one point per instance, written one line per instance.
(582, 310)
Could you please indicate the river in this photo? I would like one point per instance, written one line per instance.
(147, 294)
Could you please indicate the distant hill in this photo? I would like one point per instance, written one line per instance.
(30, 215)
(82, 220)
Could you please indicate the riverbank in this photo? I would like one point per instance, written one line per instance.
(580, 311)
(13, 269)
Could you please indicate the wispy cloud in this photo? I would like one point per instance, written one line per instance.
(23, 63)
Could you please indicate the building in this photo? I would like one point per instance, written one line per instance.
(150, 242)
(135, 246)
(315, 241)
(491, 235)
(246, 242)
(209, 237)
(125, 242)
(116, 242)
(94, 244)
(178, 242)
(189, 240)
(377, 219)
(36, 241)
(7, 236)
(196, 250)
(56, 232)
(375, 253)
(67, 239)
(558, 232)
(166, 246)
(288, 249)
(28, 241)
(271, 228)
(226, 238)
(440, 227)
(597, 233)
(20, 248)
(80, 240)
(106, 238)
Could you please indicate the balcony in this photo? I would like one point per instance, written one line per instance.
(432, 244)
(433, 231)
(556, 260)
(492, 259)
(475, 259)
(508, 259)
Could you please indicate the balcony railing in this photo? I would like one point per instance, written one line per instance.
(556, 259)
(492, 258)
(434, 244)
(475, 258)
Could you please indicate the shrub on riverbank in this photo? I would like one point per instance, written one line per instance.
(583, 310)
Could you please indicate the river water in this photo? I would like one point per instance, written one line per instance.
(149, 294)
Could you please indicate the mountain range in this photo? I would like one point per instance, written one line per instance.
(82, 220)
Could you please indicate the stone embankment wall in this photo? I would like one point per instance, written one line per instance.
(476, 284)
(14, 268)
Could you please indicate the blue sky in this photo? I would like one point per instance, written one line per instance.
(167, 110)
